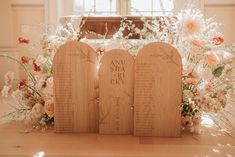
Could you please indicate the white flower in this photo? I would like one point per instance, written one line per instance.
(191, 26)
(137, 30)
(116, 44)
(50, 82)
(190, 21)
(37, 110)
(91, 43)
(17, 95)
(39, 85)
(205, 74)
(188, 67)
(187, 93)
(52, 38)
(5, 91)
(8, 78)
(226, 55)
(48, 90)
(40, 60)
(40, 81)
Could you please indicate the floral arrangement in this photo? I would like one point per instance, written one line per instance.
(208, 65)
(34, 94)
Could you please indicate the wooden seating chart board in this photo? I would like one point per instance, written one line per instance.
(158, 91)
(116, 86)
(75, 83)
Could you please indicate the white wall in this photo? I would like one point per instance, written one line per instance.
(223, 11)
(25, 18)
(7, 45)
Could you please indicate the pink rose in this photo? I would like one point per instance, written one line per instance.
(218, 39)
(24, 59)
(22, 40)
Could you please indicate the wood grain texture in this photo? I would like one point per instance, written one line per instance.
(15, 143)
(116, 84)
(75, 88)
(158, 92)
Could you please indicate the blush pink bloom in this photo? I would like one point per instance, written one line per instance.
(205, 74)
(197, 43)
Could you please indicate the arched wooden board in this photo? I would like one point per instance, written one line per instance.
(158, 92)
(116, 84)
(75, 86)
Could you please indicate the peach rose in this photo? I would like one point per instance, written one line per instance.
(211, 59)
(191, 81)
(49, 107)
(207, 87)
(186, 120)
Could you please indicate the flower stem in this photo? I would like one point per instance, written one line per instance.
(25, 69)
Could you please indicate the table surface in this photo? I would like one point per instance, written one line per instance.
(14, 141)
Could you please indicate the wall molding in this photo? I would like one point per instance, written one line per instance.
(221, 2)
(6, 49)
(219, 5)
(26, 5)
(27, 2)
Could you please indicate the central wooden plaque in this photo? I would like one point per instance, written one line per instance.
(158, 91)
(116, 84)
(75, 86)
